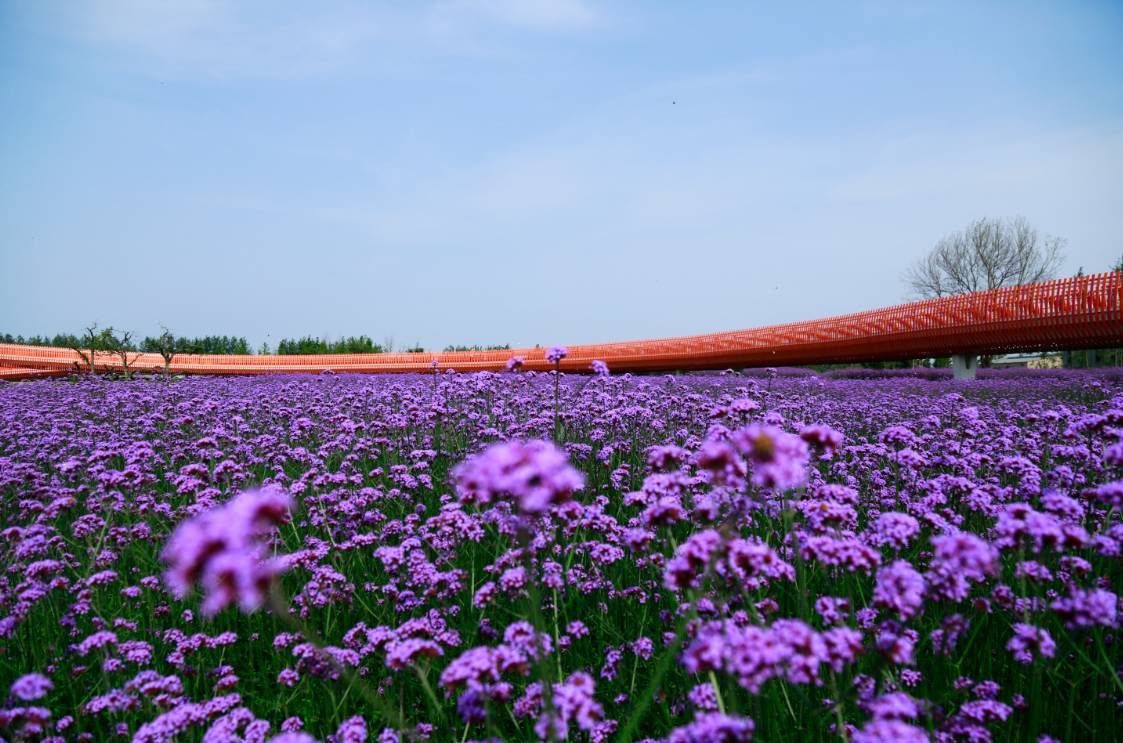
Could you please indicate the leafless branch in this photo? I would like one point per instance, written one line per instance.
(988, 254)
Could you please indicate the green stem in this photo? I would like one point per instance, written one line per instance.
(557, 637)
(542, 669)
(557, 398)
(787, 701)
(717, 692)
(1107, 660)
(841, 724)
(423, 675)
(665, 662)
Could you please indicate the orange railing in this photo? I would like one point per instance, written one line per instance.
(1080, 312)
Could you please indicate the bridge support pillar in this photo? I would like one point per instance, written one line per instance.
(963, 365)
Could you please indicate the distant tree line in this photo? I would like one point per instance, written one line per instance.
(310, 345)
(214, 344)
(208, 344)
(232, 344)
(62, 340)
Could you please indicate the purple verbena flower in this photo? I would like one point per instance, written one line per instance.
(223, 550)
(1029, 641)
(31, 686)
(534, 475)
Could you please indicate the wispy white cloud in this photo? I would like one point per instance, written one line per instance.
(219, 38)
(259, 39)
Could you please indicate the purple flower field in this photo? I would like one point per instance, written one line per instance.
(452, 557)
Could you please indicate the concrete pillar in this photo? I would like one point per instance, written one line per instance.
(963, 365)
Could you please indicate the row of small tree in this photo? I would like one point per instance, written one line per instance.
(212, 344)
(110, 341)
(97, 341)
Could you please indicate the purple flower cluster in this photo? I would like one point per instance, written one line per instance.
(788, 649)
(781, 555)
(31, 687)
(534, 475)
(223, 549)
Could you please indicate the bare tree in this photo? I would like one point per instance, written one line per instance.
(122, 346)
(988, 254)
(165, 346)
(91, 342)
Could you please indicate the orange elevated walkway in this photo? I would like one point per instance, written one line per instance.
(1080, 312)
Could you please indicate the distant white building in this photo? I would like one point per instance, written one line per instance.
(1028, 361)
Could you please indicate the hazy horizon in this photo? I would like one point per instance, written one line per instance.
(538, 172)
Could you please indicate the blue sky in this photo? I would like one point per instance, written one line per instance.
(532, 171)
